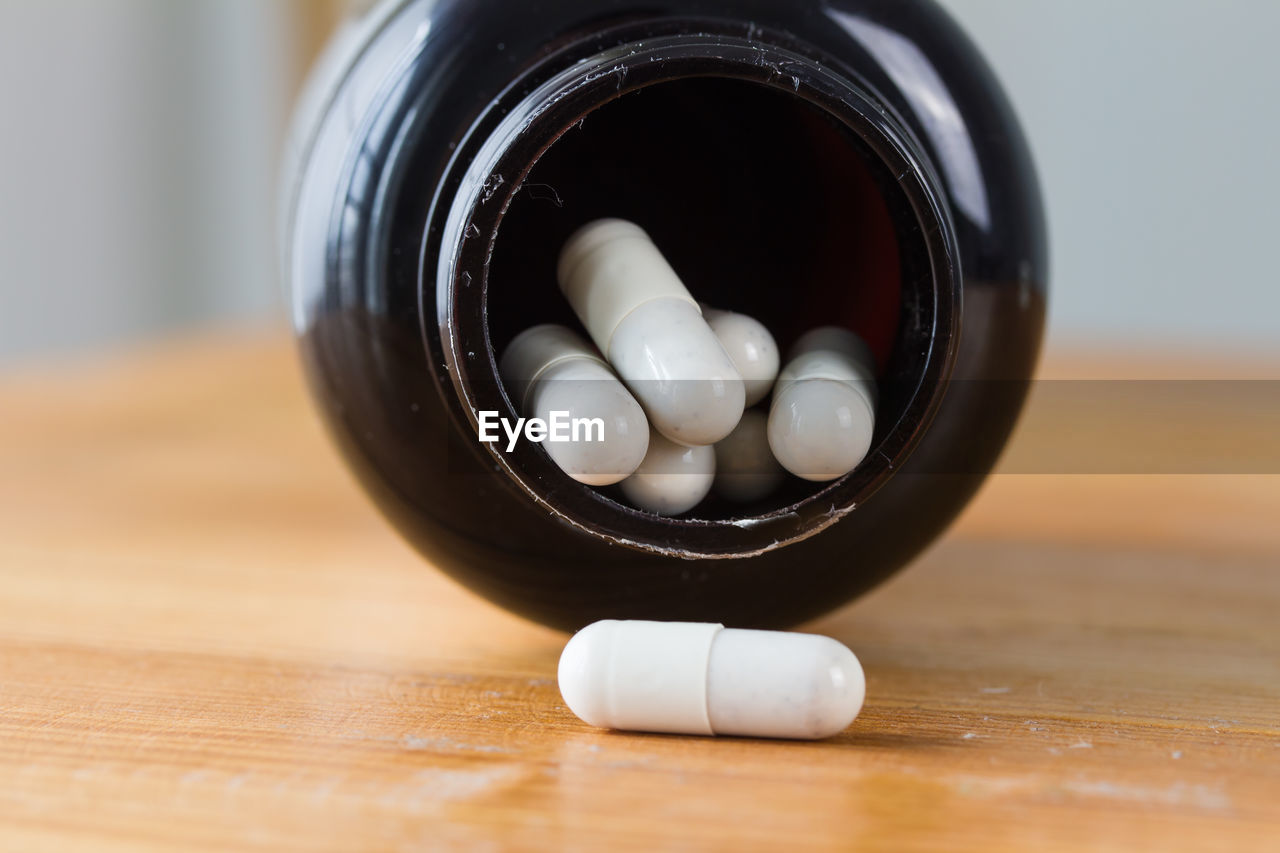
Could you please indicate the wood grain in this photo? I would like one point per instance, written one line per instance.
(208, 640)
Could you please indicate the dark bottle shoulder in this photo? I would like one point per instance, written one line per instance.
(910, 54)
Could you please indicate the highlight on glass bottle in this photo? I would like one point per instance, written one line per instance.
(710, 317)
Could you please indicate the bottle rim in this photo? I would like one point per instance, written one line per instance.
(506, 143)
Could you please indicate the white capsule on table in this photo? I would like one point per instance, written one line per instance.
(672, 479)
(550, 369)
(686, 678)
(824, 406)
(651, 330)
(752, 348)
(746, 469)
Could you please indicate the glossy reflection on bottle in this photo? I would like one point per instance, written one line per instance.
(446, 152)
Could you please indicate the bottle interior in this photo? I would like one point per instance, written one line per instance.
(762, 202)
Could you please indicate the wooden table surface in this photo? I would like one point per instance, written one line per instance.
(209, 640)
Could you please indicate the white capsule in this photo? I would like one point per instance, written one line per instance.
(746, 470)
(643, 319)
(824, 406)
(752, 348)
(552, 370)
(685, 678)
(672, 479)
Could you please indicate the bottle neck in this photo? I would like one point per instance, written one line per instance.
(781, 186)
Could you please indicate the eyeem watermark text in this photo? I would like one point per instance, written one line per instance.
(560, 429)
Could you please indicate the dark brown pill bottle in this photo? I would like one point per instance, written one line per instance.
(808, 162)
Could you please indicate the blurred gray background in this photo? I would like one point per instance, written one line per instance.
(137, 170)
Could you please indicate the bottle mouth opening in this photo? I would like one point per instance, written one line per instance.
(773, 185)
